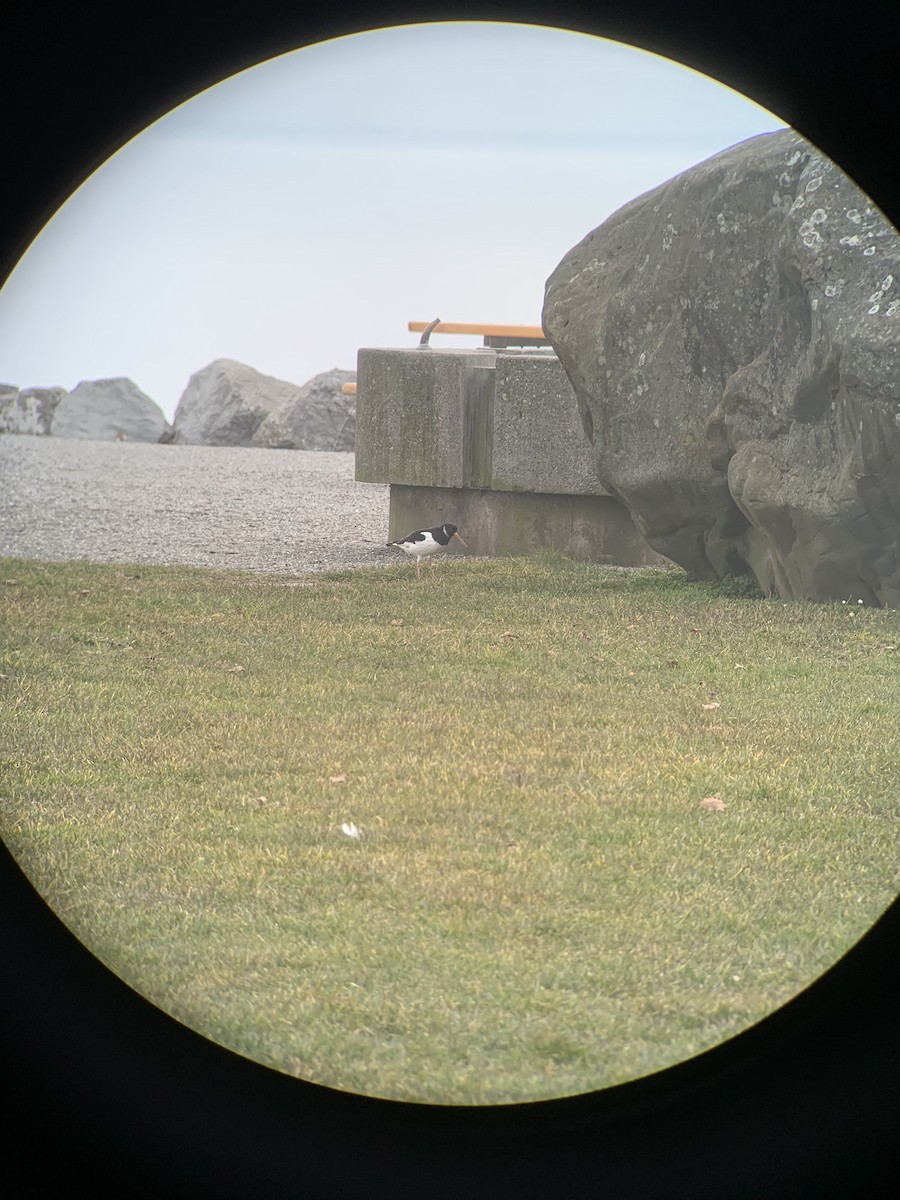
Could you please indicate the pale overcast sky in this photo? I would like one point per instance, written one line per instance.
(318, 202)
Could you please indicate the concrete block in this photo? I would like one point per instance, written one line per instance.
(591, 528)
(422, 416)
(539, 443)
(476, 418)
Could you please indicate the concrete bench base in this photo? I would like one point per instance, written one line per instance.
(594, 529)
(493, 442)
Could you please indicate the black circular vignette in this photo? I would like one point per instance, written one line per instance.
(102, 1089)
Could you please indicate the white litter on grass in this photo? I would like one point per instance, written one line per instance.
(350, 829)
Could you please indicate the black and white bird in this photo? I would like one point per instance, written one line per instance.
(424, 542)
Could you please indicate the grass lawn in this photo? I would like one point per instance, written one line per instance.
(538, 902)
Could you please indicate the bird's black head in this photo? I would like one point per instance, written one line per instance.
(451, 532)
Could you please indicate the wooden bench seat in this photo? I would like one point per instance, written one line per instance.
(497, 336)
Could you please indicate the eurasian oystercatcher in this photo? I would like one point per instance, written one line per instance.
(428, 541)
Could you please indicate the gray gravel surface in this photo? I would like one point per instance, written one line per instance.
(270, 511)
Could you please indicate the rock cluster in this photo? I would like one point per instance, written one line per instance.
(103, 410)
(225, 404)
(733, 340)
(230, 404)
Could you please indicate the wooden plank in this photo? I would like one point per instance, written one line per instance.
(511, 331)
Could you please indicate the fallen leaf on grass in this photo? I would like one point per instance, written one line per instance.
(350, 829)
(715, 704)
(712, 804)
(337, 778)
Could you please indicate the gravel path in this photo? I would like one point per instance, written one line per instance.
(270, 511)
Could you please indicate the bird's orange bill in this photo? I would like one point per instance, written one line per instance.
(459, 539)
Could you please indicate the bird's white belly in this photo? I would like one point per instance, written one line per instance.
(426, 546)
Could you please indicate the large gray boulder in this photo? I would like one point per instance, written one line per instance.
(109, 410)
(733, 339)
(29, 410)
(317, 417)
(225, 403)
